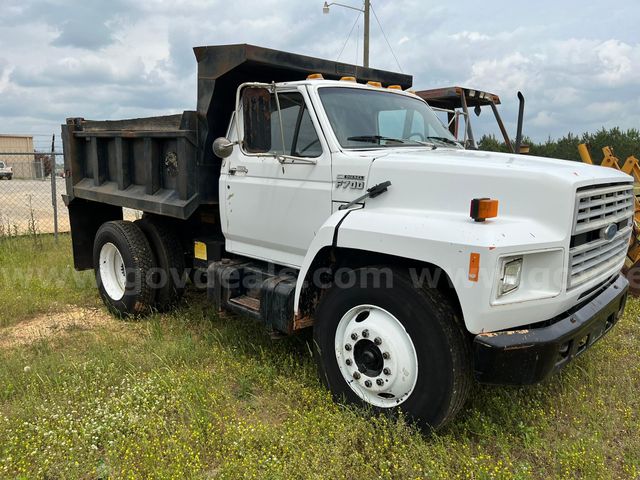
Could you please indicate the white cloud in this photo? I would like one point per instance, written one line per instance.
(470, 36)
(544, 119)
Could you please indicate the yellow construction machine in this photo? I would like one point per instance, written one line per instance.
(631, 167)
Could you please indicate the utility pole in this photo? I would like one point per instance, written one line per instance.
(366, 10)
(365, 56)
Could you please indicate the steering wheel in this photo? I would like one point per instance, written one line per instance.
(422, 137)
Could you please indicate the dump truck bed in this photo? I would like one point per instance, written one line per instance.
(146, 164)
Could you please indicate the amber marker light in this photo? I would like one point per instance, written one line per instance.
(474, 266)
(483, 208)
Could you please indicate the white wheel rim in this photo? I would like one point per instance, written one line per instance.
(376, 356)
(112, 271)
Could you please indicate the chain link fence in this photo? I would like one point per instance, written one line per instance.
(32, 184)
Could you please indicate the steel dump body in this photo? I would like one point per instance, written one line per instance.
(165, 165)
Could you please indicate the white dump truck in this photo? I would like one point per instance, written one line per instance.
(316, 194)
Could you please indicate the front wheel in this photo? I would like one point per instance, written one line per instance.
(384, 342)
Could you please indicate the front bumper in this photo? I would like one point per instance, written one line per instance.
(527, 356)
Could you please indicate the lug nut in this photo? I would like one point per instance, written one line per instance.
(386, 371)
(377, 341)
(367, 383)
(348, 361)
(347, 347)
(356, 375)
(354, 336)
(380, 382)
(386, 355)
(365, 333)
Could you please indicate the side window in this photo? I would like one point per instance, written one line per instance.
(290, 104)
(307, 142)
(300, 137)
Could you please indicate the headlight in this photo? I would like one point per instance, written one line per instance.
(510, 279)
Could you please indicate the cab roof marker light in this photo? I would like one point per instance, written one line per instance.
(315, 76)
(374, 84)
(394, 87)
(483, 208)
(348, 79)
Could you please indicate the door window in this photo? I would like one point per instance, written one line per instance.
(300, 137)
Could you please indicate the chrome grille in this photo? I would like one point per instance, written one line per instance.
(597, 207)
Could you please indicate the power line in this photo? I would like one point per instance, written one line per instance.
(348, 36)
(386, 39)
(357, 43)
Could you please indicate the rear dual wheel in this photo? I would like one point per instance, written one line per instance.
(169, 278)
(123, 264)
(138, 267)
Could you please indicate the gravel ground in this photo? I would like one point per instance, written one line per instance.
(19, 199)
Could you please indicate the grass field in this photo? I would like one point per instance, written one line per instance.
(196, 395)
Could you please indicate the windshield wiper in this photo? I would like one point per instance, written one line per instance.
(377, 139)
(444, 140)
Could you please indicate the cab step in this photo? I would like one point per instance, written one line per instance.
(253, 289)
(245, 301)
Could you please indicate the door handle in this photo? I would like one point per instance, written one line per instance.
(239, 169)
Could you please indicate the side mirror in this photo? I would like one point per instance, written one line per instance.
(256, 113)
(222, 147)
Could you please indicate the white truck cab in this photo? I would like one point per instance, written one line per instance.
(348, 207)
(543, 203)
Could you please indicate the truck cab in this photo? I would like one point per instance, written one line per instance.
(342, 204)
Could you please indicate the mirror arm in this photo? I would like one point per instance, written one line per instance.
(283, 159)
(275, 92)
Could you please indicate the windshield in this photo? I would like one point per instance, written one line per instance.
(371, 119)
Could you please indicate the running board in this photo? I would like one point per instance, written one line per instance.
(259, 291)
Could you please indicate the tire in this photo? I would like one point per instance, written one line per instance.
(170, 279)
(10, 177)
(123, 264)
(415, 330)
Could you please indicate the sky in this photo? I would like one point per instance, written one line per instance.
(576, 62)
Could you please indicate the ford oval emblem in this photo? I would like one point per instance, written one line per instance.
(607, 233)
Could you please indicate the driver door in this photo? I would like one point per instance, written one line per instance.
(272, 210)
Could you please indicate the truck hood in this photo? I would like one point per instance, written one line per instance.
(429, 182)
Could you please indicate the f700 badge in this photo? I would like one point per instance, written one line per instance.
(354, 182)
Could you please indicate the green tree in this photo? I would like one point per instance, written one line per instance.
(623, 142)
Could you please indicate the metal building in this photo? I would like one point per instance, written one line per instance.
(24, 166)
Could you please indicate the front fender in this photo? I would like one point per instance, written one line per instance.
(323, 238)
(442, 239)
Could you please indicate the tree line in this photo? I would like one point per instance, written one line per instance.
(624, 143)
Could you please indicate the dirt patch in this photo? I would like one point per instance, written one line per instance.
(55, 324)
